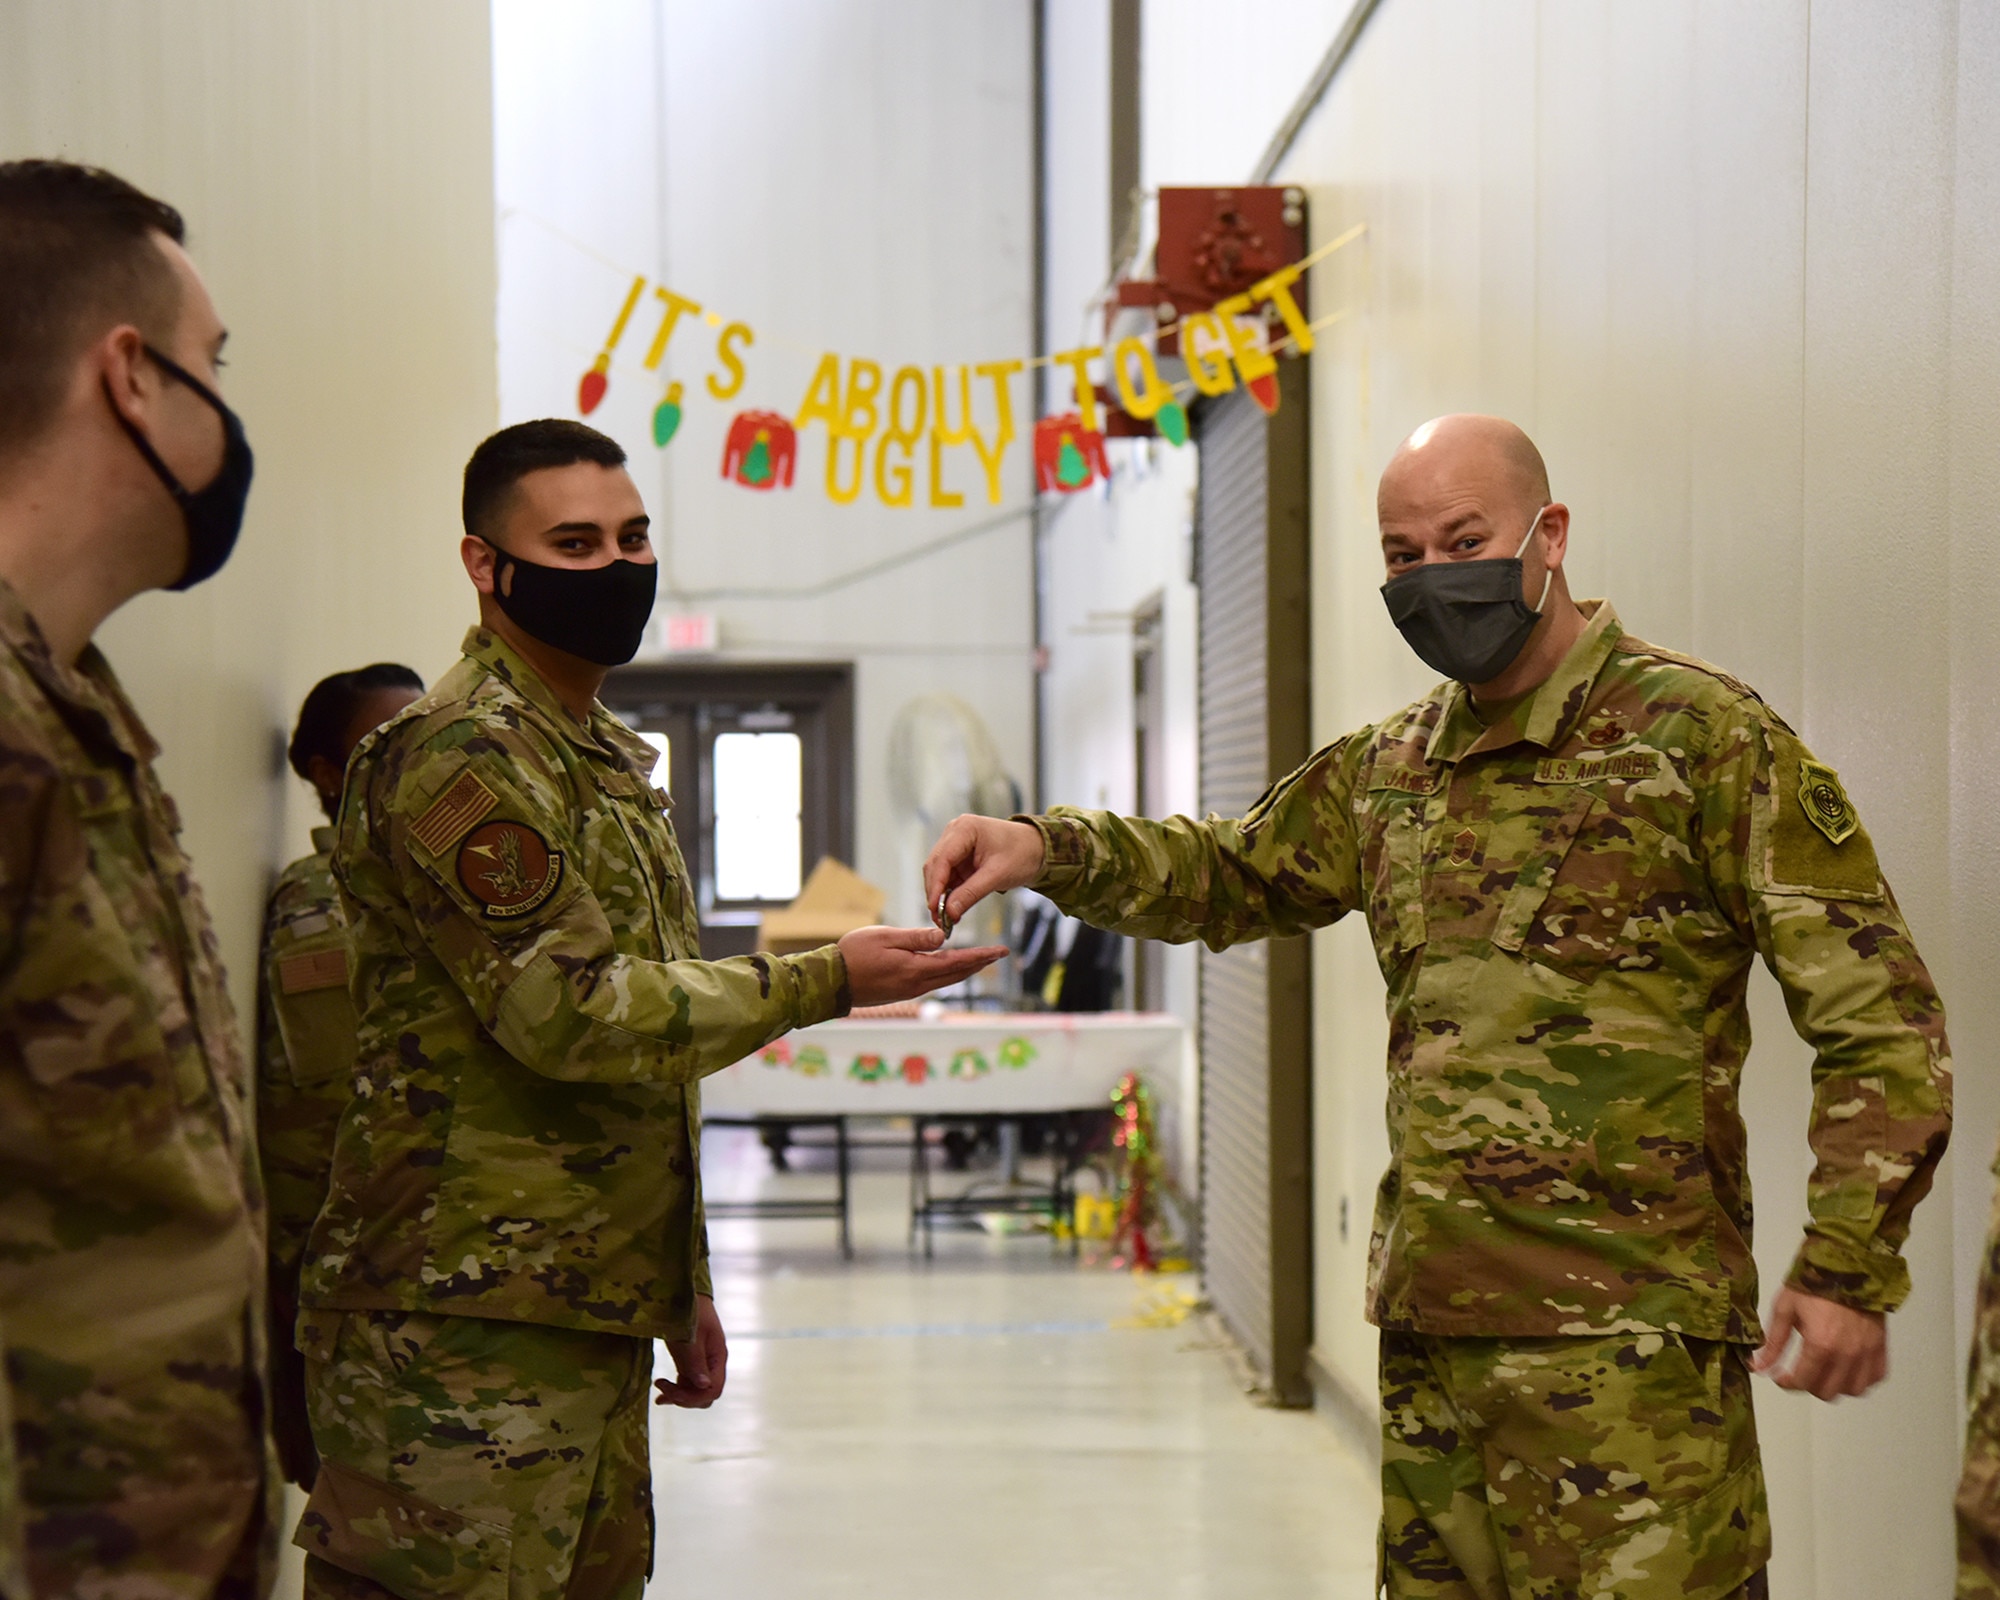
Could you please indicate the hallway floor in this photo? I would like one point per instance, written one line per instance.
(978, 1426)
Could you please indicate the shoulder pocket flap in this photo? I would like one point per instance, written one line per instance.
(1706, 1549)
(1817, 844)
(410, 1546)
(624, 785)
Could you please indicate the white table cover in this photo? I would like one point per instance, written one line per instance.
(969, 1063)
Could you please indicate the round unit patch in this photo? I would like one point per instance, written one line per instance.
(508, 868)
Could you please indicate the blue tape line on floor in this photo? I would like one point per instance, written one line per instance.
(923, 1330)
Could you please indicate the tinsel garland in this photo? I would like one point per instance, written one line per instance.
(1139, 1186)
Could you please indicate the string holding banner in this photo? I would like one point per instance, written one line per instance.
(894, 432)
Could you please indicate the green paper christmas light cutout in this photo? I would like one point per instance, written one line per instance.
(667, 415)
(1172, 422)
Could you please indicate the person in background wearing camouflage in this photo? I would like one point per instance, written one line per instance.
(1979, 1485)
(306, 1025)
(1568, 856)
(514, 1210)
(132, 1454)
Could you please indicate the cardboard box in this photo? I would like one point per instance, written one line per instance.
(835, 900)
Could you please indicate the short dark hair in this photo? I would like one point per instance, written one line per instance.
(77, 256)
(505, 458)
(330, 705)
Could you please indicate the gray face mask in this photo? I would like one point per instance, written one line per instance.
(1466, 619)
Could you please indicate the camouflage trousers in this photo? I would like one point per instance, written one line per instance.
(142, 1484)
(1979, 1487)
(475, 1458)
(1570, 1469)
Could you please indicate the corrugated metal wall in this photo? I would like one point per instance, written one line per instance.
(1255, 1020)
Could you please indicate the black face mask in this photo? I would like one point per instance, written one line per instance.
(214, 513)
(1466, 619)
(598, 613)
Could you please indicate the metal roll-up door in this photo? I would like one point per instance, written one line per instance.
(1256, 1217)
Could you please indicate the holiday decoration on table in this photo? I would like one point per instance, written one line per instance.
(1068, 456)
(778, 1053)
(761, 450)
(1016, 1053)
(1139, 1184)
(811, 1062)
(970, 1064)
(916, 1069)
(667, 416)
(869, 1068)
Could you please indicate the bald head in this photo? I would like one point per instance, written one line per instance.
(1466, 454)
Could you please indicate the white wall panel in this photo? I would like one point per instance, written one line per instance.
(848, 177)
(334, 166)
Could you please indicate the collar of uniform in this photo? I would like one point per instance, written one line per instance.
(90, 688)
(501, 659)
(1546, 715)
(323, 841)
(603, 735)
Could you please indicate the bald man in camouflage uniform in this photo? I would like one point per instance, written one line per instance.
(1567, 873)
(1979, 1486)
(514, 1211)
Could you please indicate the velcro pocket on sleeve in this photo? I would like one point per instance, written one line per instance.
(1818, 846)
(410, 1546)
(1705, 1549)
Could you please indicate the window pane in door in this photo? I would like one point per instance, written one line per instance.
(662, 768)
(758, 790)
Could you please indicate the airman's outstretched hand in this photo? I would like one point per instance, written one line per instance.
(885, 965)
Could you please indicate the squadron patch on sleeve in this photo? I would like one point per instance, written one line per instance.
(508, 868)
(1825, 803)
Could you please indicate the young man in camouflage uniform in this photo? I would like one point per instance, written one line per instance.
(514, 1210)
(131, 1226)
(1567, 869)
(306, 1026)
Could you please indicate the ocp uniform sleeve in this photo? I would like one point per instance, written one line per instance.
(1289, 865)
(549, 982)
(1796, 872)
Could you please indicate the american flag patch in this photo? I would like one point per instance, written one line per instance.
(452, 814)
(314, 969)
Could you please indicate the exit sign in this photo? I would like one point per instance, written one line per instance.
(690, 633)
(680, 634)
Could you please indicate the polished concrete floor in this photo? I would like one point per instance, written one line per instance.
(979, 1426)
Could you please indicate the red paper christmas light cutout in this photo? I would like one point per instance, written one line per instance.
(590, 390)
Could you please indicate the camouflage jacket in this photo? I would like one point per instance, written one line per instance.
(534, 1015)
(1565, 906)
(131, 1221)
(305, 1047)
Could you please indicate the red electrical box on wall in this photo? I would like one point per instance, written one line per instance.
(1214, 243)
